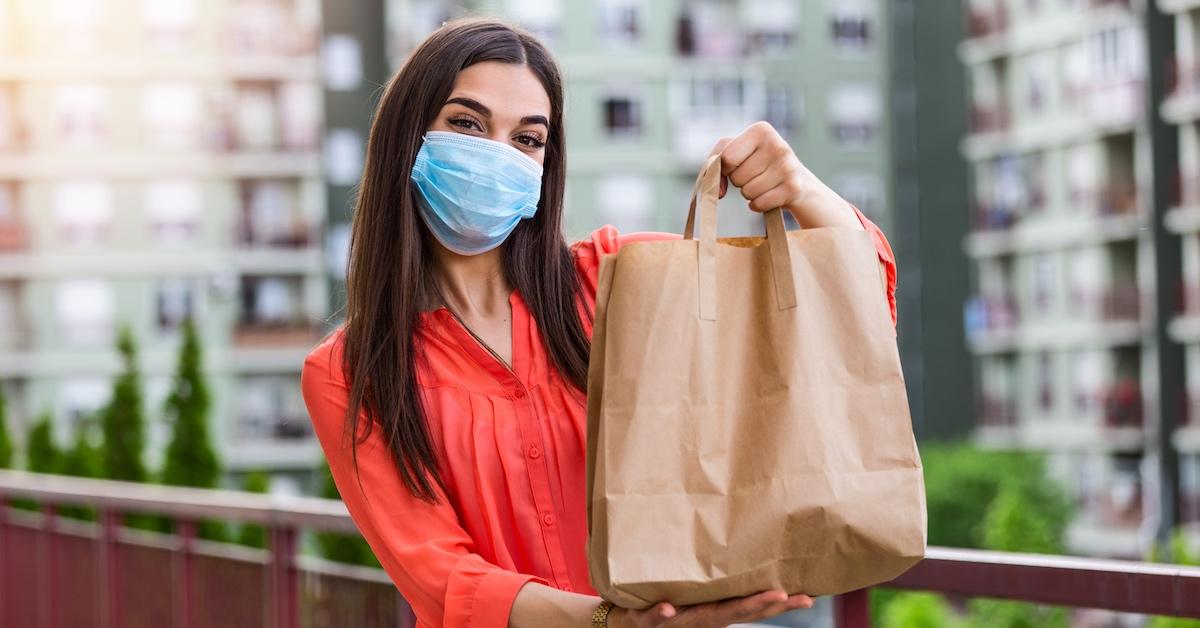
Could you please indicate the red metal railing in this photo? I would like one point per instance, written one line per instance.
(1125, 586)
(62, 573)
(57, 572)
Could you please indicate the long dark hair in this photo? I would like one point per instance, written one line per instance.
(390, 261)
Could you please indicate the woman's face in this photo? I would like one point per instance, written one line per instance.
(499, 101)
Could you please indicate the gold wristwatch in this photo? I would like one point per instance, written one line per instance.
(600, 615)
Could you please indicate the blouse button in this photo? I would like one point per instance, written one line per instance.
(548, 519)
(518, 393)
(534, 452)
(567, 588)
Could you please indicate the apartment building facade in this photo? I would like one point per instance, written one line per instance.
(651, 86)
(160, 160)
(1068, 286)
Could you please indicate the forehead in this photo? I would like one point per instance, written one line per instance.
(508, 89)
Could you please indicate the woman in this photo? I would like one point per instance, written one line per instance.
(451, 404)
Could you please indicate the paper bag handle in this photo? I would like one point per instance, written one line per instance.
(706, 190)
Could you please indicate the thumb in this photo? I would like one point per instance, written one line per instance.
(660, 613)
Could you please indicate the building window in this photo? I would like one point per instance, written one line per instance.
(13, 331)
(1044, 274)
(270, 407)
(171, 113)
(854, 113)
(718, 97)
(622, 116)
(863, 190)
(169, 24)
(703, 28)
(620, 21)
(80, 400)
(86, 311)
(271, 301)
(77, 22)
(175, 302)
(1045, 382)
(851, 26)
(770, 25)
(271, 216)
(257, 118)
(81, 114)
(784, 109)
(626, 201)
(9, 130)
(300, 115)
(173, 210)
(541, 17)
(83, 213)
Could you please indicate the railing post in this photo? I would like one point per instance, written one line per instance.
(186, 532)
(404, 613)
(4, 594)
(110, 598)
(853, 609)
(283, 577)
(48, 585)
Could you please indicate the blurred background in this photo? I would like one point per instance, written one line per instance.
(1034, 164)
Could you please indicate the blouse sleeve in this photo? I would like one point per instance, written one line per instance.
(421, 546)
(887, 260)
(606, 240)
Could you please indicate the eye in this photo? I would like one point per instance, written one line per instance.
(465, 123)
(531, 140)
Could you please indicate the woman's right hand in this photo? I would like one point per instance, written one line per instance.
(711, 615)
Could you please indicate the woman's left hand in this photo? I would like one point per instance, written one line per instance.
(769, 174)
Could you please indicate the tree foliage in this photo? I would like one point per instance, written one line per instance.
(123, 420)
(986, 500)
(6, 444)
(249, 534)
(190, 458)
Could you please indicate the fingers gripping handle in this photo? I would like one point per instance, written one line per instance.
(704, 197)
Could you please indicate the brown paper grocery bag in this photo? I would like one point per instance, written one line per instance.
(748, 427)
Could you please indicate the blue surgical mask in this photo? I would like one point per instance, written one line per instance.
(472, 192)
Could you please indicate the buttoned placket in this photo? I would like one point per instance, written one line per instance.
(528, 422)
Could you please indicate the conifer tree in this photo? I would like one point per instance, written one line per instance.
(41, 454)
(123, 420)
(190, 459)
(6, 446)
(249, 534)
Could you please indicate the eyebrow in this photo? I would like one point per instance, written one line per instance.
(479, 107)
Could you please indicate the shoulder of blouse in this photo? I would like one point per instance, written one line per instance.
(608, 239)
(328, 353)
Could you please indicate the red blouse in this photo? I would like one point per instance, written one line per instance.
(511, 447)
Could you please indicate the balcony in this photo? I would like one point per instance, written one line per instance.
(989, 118)
(989, 317)
(64, 572)
(295, 233)
(14, 237)
(993, 217)
(1123, 404)
(1121, 302)
(997, 412)
(150, 579)
(1182, 103)
(985, 19)
(266, 335)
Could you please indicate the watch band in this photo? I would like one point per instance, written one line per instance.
(600, 615)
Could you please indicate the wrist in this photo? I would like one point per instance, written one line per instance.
(822, 207)
(604, 615)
